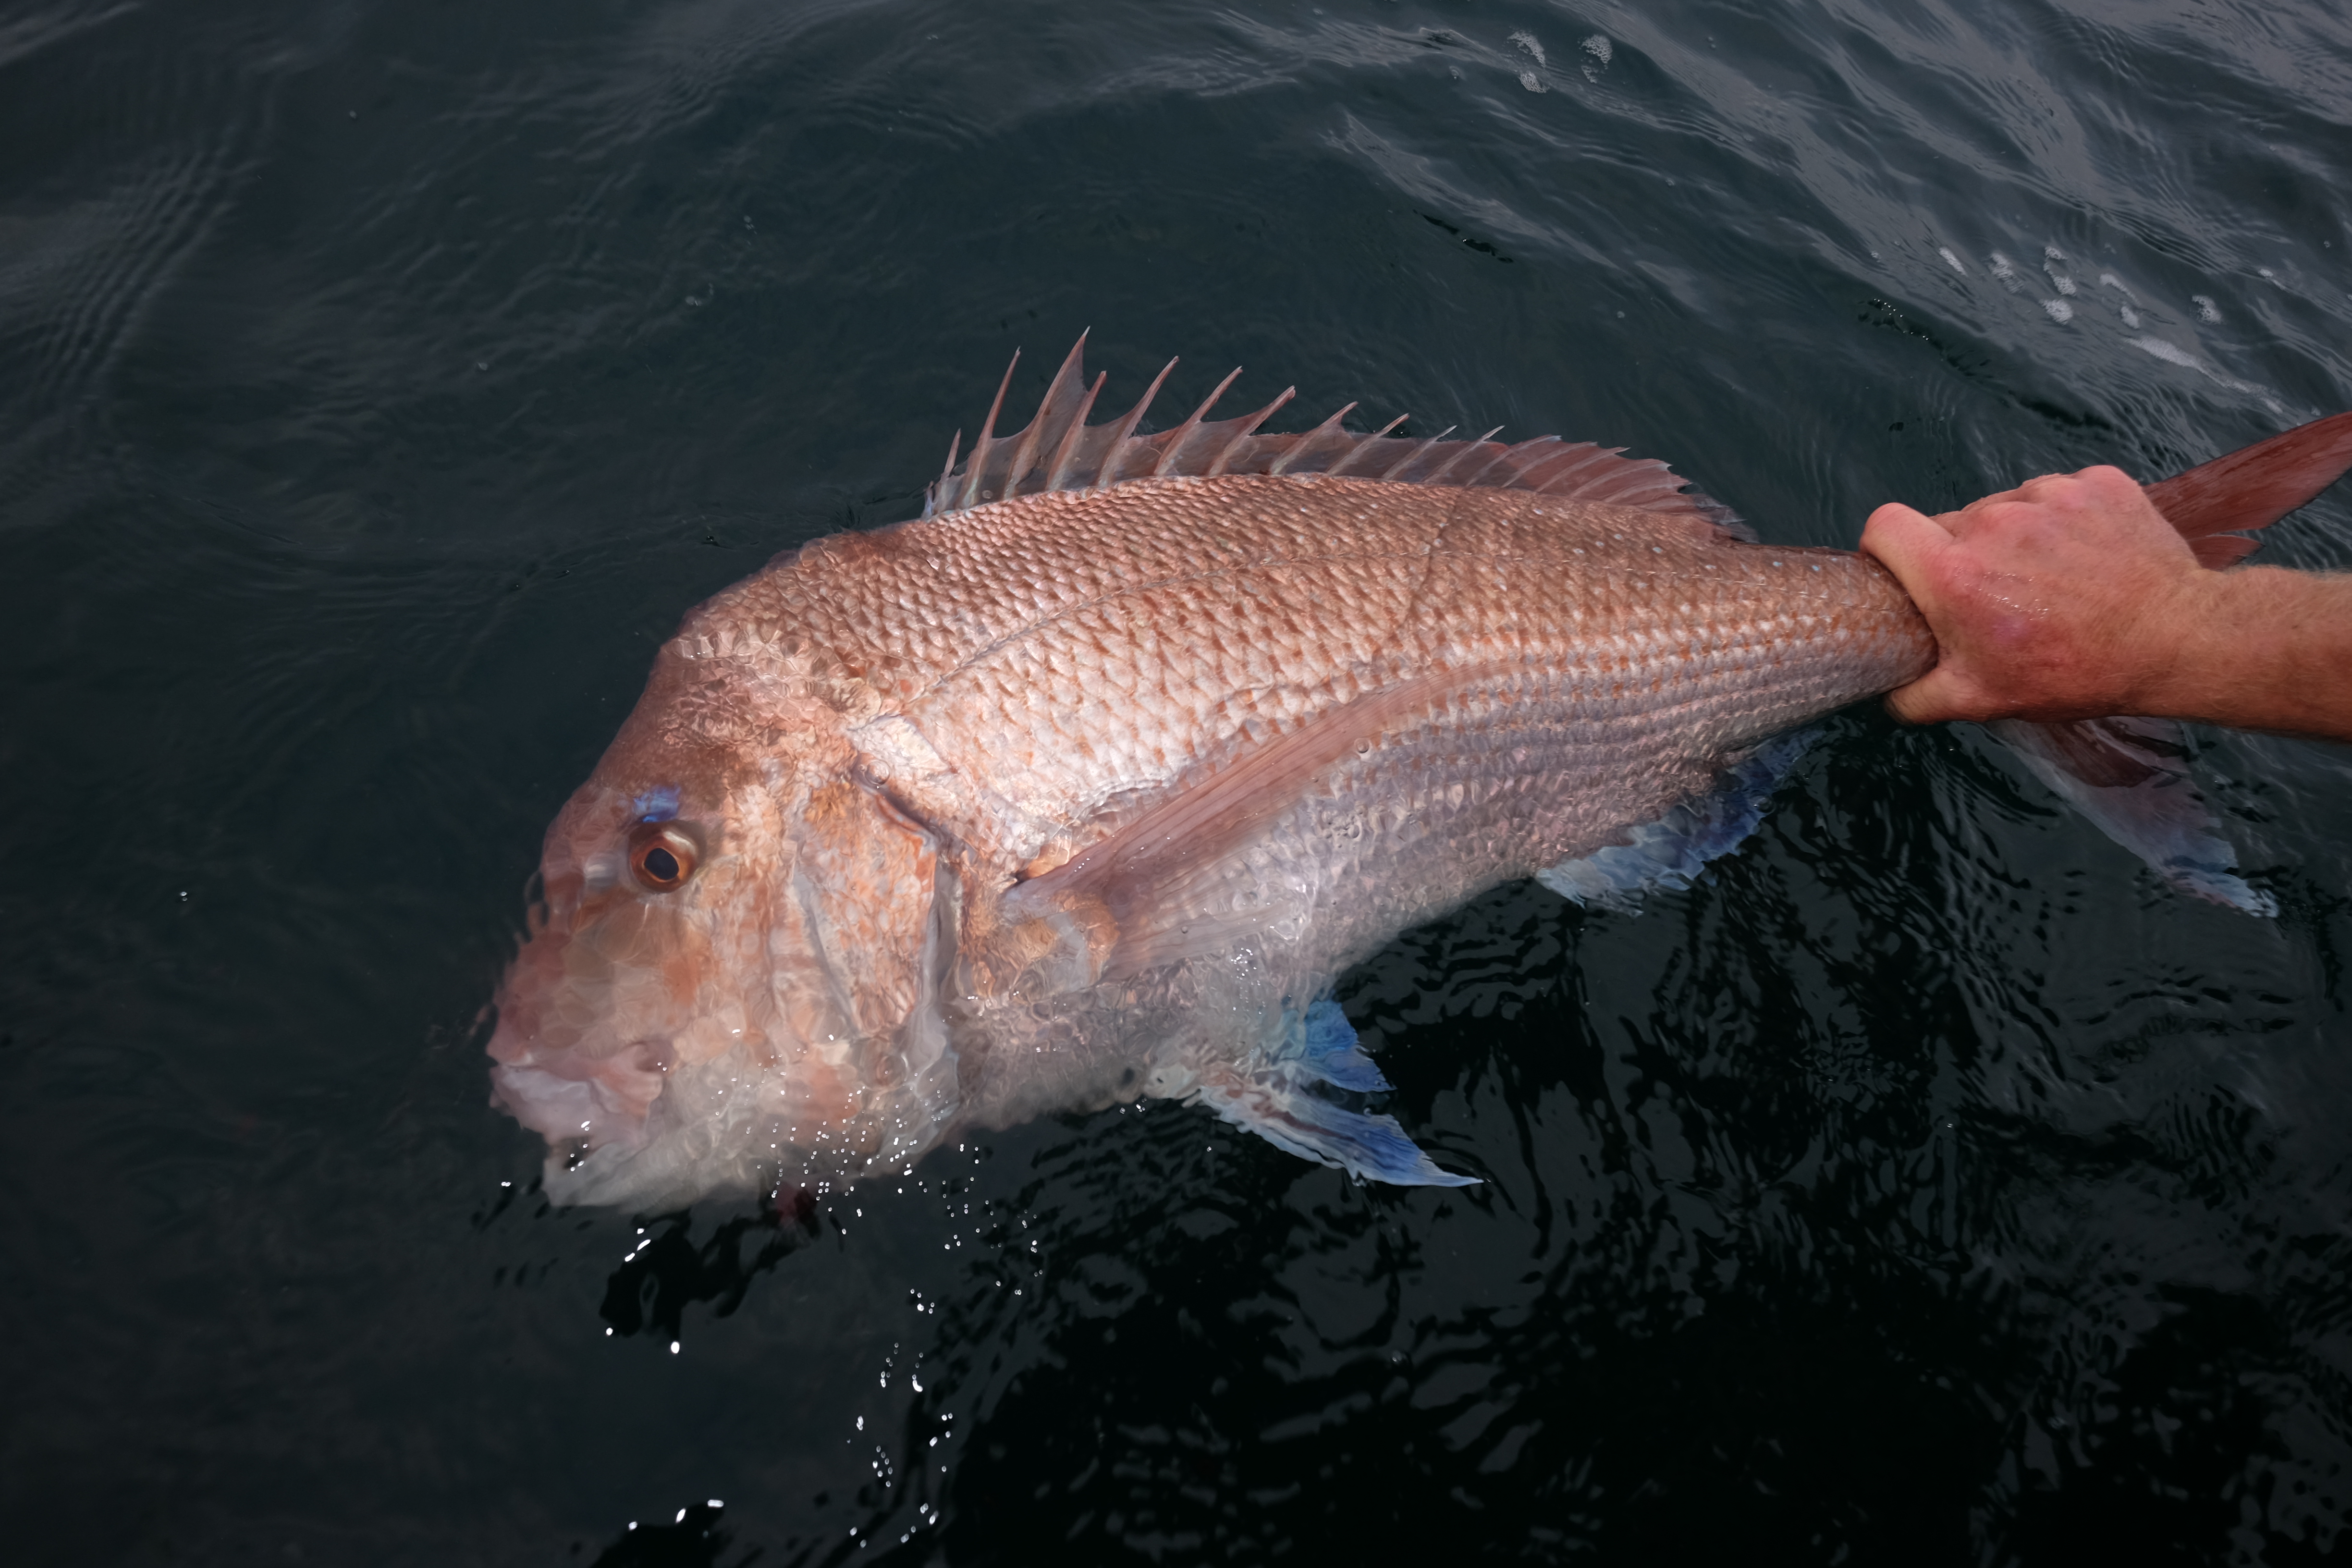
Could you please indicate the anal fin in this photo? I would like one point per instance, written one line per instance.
(1276, 1098)
(1673, 850)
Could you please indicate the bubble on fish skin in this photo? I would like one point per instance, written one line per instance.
(2059, 310)
(1527, 42)
(1599, 49)
(1529, 81)
(1957, 264)
(2206, 310)
(2005, 270)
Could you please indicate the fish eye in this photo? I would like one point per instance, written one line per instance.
(661, 857)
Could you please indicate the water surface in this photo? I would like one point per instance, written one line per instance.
(381, 382)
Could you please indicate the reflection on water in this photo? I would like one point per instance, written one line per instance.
(1929, 1185)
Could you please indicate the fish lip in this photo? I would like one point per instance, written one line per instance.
(603, 1102)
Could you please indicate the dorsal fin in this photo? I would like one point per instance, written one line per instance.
(1059, 451)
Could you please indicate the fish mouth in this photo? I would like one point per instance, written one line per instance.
(598, 1103)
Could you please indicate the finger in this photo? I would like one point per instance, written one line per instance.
(1902, 539)
(2113, 483)
(1930, 700)
(1957, 521)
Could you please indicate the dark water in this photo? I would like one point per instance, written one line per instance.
(378, 385)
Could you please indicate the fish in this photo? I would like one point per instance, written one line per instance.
(1084, 786)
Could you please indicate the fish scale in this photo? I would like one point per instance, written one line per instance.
(1087, 785)
(1183, 661)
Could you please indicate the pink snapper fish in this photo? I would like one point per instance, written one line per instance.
(1085, 786)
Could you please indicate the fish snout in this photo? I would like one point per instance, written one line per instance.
(570, 1097)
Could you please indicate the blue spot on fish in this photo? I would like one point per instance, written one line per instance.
(656, 805)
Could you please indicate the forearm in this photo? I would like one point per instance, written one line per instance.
(2273, 650)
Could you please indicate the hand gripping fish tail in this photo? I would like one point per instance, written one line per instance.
(2128, 776)
(1085, 786)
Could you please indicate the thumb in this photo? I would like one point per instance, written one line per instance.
(1903, 539)
(1905, 542)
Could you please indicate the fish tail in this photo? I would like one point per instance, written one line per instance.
(2129, 777)
(2217, 505)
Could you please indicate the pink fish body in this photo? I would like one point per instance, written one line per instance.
(1086, 787)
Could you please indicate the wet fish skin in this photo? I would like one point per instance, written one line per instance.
(898, 748)
(1087, 786)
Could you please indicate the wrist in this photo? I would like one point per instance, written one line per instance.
(2226, 646)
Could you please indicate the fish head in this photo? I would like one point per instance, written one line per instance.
(731, 978)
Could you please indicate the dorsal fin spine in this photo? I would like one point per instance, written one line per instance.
(1393, 470)
(1125, 431)
(1506, 455)
(1024, 453)
(978, 465)
(1362, 446)
(1183, 433)
(1056, 450)
(1298, 447)
(940, 488)
(1572, 457)
(1468, 447)
(1246, 427)
(1067, 453)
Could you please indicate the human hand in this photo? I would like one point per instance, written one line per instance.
(2068, 597)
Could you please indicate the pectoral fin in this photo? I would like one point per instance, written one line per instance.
(1141, 874)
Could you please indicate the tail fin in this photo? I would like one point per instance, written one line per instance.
(2130, 776)
(2215, 504)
